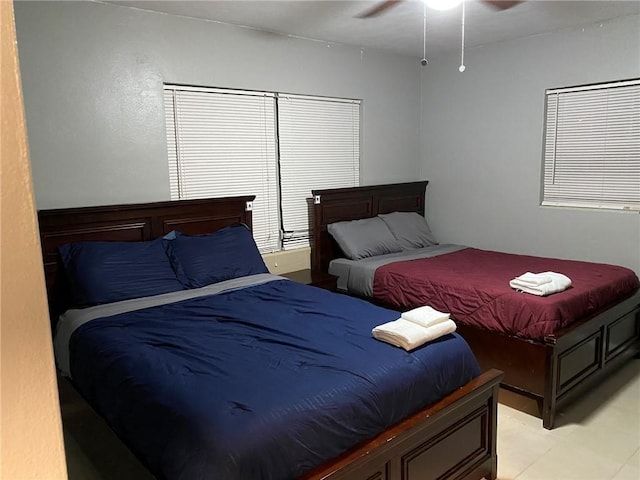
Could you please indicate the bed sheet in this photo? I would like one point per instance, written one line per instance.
(262, 382)
(356, 276)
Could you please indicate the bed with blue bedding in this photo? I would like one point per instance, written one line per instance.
(261, 382)
(254, 376)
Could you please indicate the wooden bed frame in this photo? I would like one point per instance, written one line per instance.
(553, 371)
(454, 438)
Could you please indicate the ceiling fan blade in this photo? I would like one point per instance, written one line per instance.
(500, 4)
(379, 8)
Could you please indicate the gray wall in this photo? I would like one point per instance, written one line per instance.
(482, 144)
(92, 79)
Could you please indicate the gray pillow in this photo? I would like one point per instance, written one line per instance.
(410, 229)
(363, 238)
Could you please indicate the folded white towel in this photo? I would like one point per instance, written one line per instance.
(557, 283)
(408, 335)
(425, 316)
(532, 279)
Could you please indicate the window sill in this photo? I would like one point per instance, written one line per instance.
(286, 261)
(584, 208)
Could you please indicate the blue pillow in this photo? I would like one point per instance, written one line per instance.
(104, 272)
(205, 259)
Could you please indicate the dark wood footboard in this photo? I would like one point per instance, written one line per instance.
(452, 439)
(566, 364)
(582, 355)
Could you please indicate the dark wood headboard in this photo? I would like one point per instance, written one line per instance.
(128, 223)
(341, 204)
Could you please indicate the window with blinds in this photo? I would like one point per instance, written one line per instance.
(223, 143)
(319, 148)
(592, 146)
(278, 147)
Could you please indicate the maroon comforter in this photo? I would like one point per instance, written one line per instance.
(474, 286)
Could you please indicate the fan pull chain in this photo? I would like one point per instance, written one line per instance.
(424, 60)
(462, 67)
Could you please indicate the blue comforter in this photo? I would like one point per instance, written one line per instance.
(264, 382)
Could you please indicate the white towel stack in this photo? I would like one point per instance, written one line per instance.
(541, 284)
(415, 327)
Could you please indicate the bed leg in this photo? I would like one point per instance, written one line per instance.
(548, 413)
(493, 425)
(550, 389)
(494, 470)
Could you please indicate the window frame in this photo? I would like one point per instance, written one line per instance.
(173, 142)
(599, 121)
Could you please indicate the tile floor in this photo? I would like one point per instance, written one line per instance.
(597, 437)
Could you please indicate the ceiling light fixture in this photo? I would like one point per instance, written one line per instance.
(442, 4)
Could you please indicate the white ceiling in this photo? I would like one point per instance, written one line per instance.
(399, 29)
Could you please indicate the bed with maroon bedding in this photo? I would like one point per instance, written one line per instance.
(550, 347)
(473, 285)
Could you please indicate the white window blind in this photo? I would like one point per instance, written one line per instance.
(592, 146)
(319, 148)
(223, 143)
